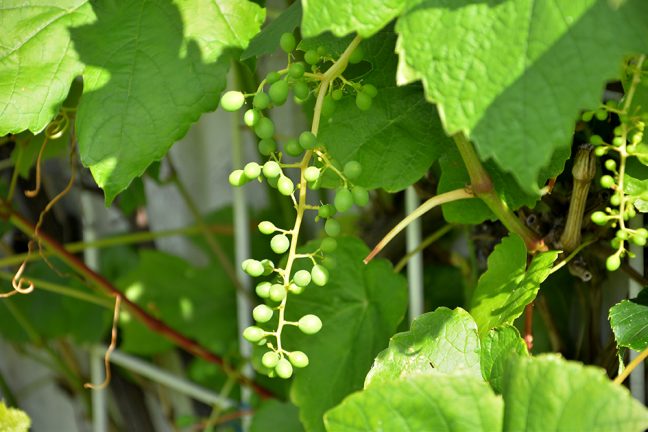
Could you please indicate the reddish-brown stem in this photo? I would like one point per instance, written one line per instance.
(104, 285)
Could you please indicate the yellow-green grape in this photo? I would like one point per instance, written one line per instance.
(599, 218)
(337, 94)
(607, 181)
(343, 200)
(267, 146)
(638, 240)
(253, 334)
(293, 148)
(279, 244)
(618, 141)
(641, 232)
(352, 169)
(363, 101)
(261, 100)
(251, 117)
(253, 267)
(277, 292)
(295, 289)
(307, 140)
(326, 211)
(264, 128)
(601, 114)
(613, 262)
(287, 42)
(296, 70)
(623, 235)
(370, 89)
(311, 57)
(298, 359)
(319, 275)
(311, 173)
(332, 227)
(238, 178)
(301, 90)
(285, 186)
(610, 164)
(278, 92)
(263, 289)
(309, 324)
(587, 116)
(232, 100)
(357, 55)
(600, 151)
(302, 278)
(284, 369)
(268, 267)
(360, 196)
(267, 227)
(270, 359)
(596, 140)
(271, 169)
(252, 170)
(328, 245)
(262, 313)
(615, 199)
(273, 77)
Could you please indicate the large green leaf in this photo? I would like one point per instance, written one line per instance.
(364, 17)
(508, 286)
(198, 302)
(444, 341)
(547, 393)
(420, 403)
(497, 346)
(275, 415)
(267, 41)
(37, 60)
(360, 308)
(513, 75)
(629, 320)
(152, 69)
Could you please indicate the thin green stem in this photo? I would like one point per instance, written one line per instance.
(436, 235)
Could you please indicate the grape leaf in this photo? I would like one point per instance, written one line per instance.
(267, 40)
(443, 341)
(508, 286)
(629, 320)
(420, 403)
(152, 69)
(360, 308)
(13, 419)
(637, 192)
(497, 346)
(37, 60)
(513, 75)
(186, 297)
(364, 17)
(275, 415)
(548, 393)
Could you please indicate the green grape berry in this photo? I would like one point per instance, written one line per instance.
(278, 92)
(284, 369)
(311, 173)
(301, 90)
(277, 292)
(238, 178)
(343, 199)
(262, 313)
(360, 196)
(279, 244)
(618, 141)
(267, 227)
(287, 42)
(253, 334)
(253, 267)
(599, 218)
(298, 359)
(607, 181)
(268, 267)
(613, 262)
(307, 140)
(600, 151)
(601, 115)
(263, 289)
(363, 101)
(273, 77)
(302, 278)
(623, 235)
(330, 262)
(311, 57)
(285, 186)
(293, 148)
(332, 227)
(357, 55)
(352, 169)
(328, 245)
(296, 70)
(310, 324)
(370, 89)
(271, 169)
(295, 289)
(326, 211)
(328, 106)
(615, 200)
(337, 94)
(319, 275)
(641, 232)
(267, 146)
(252, 170)
(232, 100)
(596, 140)
(610, 164)
(639, 241)
(270, 359)
(265, 128)
(261, 100)
(251, 117)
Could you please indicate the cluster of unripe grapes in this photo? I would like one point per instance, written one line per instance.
(273, 91)
(627, 138)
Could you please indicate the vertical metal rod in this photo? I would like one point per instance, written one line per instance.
(241, 252)
(637, 378)
(415, 264)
